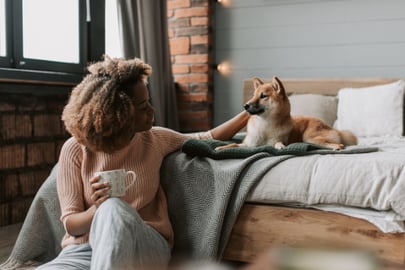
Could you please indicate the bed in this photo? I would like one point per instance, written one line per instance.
(264, 224)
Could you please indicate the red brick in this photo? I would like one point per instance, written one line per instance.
(196, 3)
(199, 68)
(56, 106)
(170, 13)
(12, 156)
(191, 12)
(192, 31)
(30, 182)
(191, 78)
(15, 126)
(199, 21)
(47, 125)
(202, 39)
(194, 97)
(173, 4)
(170, 33)
(180, 69)
(179, 45)
(8, 187)
(176, 23)
(199, 49)
(19, 209)
(182, 88)
(191, 59)
(41, 154)
(29, 103)
(199, 87)
(7, 106)
(5, 213)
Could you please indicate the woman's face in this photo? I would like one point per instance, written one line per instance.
(144, 111)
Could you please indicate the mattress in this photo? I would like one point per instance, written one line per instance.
(369, 185)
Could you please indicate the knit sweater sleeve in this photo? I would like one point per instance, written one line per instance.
(69, 183)
(168, 140)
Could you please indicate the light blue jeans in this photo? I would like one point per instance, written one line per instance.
(119, 239)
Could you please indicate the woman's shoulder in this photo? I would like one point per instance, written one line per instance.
(71, 147)
(71, 142)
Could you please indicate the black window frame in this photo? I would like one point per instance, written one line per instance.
(91, 39)
(5, 61)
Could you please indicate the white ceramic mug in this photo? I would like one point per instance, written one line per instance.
(117, 180)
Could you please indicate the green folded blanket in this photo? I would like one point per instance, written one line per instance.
(206, 148)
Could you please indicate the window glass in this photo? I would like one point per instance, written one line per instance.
(112, 37)
(2, 28)
(51, 30)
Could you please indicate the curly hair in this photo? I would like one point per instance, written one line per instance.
(100, 111)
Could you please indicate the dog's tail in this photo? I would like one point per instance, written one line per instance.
(347, 137)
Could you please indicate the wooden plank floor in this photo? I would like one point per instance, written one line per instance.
(8, 235)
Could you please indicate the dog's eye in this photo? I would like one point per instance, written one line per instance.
(262, 95)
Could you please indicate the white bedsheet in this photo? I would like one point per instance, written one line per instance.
(369, 186)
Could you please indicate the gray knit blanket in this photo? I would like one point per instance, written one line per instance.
(204, 198)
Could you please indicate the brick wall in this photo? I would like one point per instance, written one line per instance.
(31, 132)
(190, 47)
(31, 135)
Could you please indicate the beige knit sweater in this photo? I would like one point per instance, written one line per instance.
(144, 156)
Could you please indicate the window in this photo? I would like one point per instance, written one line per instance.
(57, 41)
(2, 28)
(50, 40)
(3, 34)
(112, 39)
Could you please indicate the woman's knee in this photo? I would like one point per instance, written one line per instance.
(111, 204)
(115, 208)
(114, 205)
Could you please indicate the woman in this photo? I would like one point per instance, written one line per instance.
(110, 118)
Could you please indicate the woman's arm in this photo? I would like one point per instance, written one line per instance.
(228, 129)
(79, 223)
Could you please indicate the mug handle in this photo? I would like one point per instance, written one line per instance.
(133, 178)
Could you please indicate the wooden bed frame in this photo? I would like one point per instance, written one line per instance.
(260, 227)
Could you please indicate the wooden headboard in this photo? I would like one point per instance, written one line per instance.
(324, 86)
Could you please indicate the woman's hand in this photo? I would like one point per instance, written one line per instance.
(99, 191)
(79, 223)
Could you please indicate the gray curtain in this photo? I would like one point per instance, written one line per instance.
(143, 31)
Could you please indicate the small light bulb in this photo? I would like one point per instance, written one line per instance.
(224, 68)
(225, 3)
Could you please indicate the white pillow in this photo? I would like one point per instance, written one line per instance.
(372, 111)
(319, 106)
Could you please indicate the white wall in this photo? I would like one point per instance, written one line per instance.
(305, 38)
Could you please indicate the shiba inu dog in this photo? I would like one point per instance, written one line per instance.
(271, 123)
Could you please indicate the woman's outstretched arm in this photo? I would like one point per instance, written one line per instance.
(228, 129)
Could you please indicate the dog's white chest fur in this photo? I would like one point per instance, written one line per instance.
(261, 131)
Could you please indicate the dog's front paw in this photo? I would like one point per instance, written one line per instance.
(336, 146)
(279, 145)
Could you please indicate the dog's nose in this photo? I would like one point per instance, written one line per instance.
(246, 106)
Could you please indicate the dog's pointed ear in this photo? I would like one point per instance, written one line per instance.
(257, 82)
(277, 85)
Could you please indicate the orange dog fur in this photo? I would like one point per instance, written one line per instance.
(271, 123)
